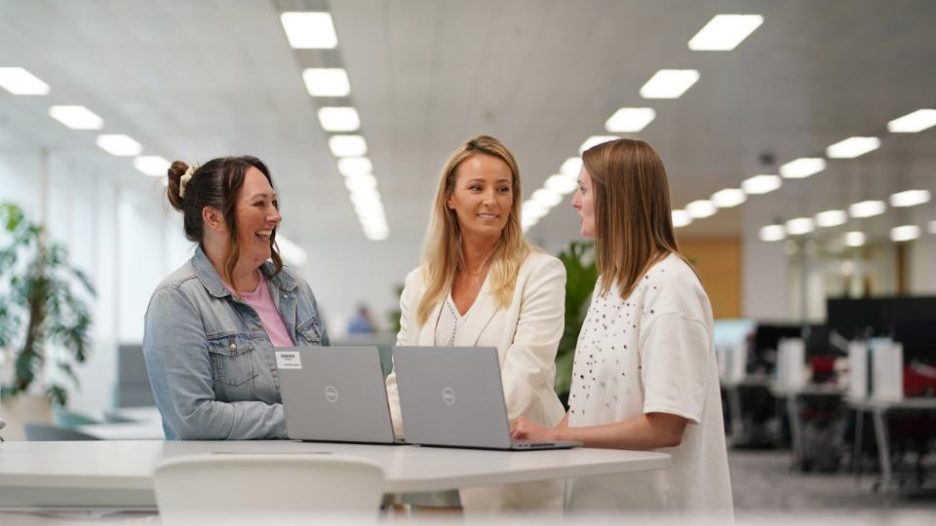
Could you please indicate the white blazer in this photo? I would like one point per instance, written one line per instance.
(526, 336)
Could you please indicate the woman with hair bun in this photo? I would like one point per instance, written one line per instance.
(211, 326)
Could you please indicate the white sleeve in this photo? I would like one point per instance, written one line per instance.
(675, 354)
(393, 393)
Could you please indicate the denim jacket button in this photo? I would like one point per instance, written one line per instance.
(232, 347)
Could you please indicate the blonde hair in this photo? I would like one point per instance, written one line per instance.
(443, 255)
(633, 219)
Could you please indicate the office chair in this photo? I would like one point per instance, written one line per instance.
(264, 488)
(37, 431)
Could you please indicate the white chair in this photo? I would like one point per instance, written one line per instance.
(264, 488)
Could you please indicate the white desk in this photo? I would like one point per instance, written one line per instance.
(145, 430)
(118, 474)
(879, 409)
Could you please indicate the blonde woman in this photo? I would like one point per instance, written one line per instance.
(480, 284)
(644, 375)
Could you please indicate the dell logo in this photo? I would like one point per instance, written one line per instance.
(448, 396)
(331, 394)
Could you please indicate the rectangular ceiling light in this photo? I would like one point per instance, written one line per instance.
(347, 145)
(855, 239)
(831, 218)
(681, 218)
(803, 167)
(761, 184)
(867, 209)
(309, 30)
(800, 226)
(910, 198)
(339, 119)
(560, 184)
(853, 147)
(772, 233)
(76, 117)
(669, 83)
(725, 32)
(571, 167)
(728, 198)
(290, 251)
(701, 209)
(326, 82)
(904, 233)
(913, 122)
(18, 81)
(630, 120)
(595, 140)
(351, 166)
(152, 165)
(119, 145)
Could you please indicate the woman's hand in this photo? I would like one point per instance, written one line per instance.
(525, 429)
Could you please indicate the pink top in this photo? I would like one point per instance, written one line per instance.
(262, 302)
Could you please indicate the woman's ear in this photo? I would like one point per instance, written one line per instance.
(213, 218)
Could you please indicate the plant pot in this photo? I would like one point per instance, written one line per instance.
(20, 409)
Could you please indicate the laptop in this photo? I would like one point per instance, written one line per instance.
(452, 396)
(334, 394)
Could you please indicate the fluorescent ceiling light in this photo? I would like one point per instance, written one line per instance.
(761, 184)
(571, 167)
(772, 233)
(725, 32)
(326, 82)
(561, 184)
(119, 145)
(867, 209)
(681, 218)
(351, 166)
(309, 30)
(347, 145)
(802, 167)
(533, 211)
(800, 226)
(18, 81)
(855, 239)
(728, 198)
(701, 209)
(904, 233)
(339, 119)
(932, 227)
(831, 218)
(76, 117)
(595, 140)
(546, 198)
(290, 251)
(910, 198)
(913, 122)
(669, 83)
(630, 120)
(853, 147)
(358, 182)
(152, 165)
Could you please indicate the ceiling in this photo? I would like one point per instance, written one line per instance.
(195, 80)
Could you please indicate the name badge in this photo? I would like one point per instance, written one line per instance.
(288, 360)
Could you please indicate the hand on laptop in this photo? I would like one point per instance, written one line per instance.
(525, 429)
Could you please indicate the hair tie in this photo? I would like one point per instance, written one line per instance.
(185, 179)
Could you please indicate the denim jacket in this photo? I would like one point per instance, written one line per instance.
(210, 361)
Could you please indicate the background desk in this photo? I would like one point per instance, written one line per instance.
(118, 474)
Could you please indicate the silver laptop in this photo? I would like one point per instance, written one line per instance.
(452, 396)
(334, 394)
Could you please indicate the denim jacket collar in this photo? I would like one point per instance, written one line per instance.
(212, 282)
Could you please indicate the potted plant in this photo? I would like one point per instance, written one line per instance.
(581, 273)
(41, 304)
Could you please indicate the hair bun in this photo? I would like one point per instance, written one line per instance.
(175, 172)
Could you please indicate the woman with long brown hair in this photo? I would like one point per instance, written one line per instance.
(644, 374)
(480, 284)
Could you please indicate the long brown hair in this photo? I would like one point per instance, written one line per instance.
(633, 219)
(217, 184)
(443, 255)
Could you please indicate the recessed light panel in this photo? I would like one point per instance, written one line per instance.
(867, 209)
(729, 197)
(853, 147)
(326, 82)
(630, 120)
(76, 117)
(595, 140)
(309, 30)
(831, 218)
(904, 233)
(800, 226)
(772, 233)
(669, 83)
(725, 32)
(19, 81)
(347, 145)
(910, 198)
(913, 122)
(855, 239)
(339, 119)
(681, 218)
(152, 165)
(701, 209)
(803, 167)
(761, 184)
(119, 145)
